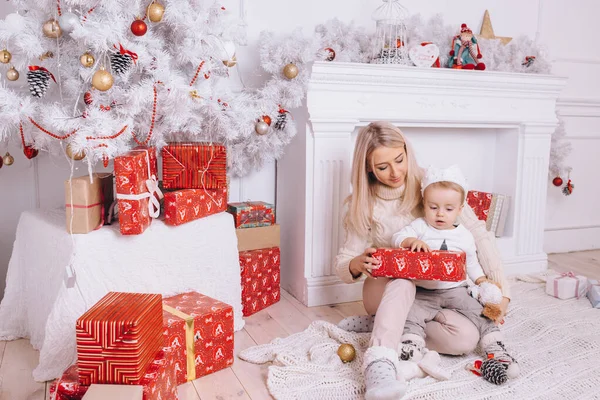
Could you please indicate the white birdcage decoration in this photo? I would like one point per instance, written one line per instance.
(390, 36)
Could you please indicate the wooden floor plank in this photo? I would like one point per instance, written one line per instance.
(187, 391)
(326, 313)
(263, 328)
(350, 309)
(220, 385)
(251, 376)
(288, 316)
(18, 362)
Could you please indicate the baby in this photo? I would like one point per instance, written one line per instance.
(444, 194)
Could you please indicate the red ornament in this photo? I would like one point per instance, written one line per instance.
(557, 181)
(29, 152)
(267, 119)
(568, 189)
(87, 98)
(139, 27)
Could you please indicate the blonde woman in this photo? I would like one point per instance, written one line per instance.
(386, 196)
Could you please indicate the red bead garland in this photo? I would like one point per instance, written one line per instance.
(50, 133)
(145, 142)
(197, 72)
(29, 151)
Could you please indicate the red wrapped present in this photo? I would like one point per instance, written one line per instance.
(68, 387)
(260, 279)
(199, 329)
(159, 381)
(194, 166)
(186, 205)
(491, 208)
(137, 190)
(118, 338)
(436, 265)
(252, 214)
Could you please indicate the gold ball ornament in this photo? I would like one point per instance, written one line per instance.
(87, 60)
(155, 12)
(5, 56)
(8, 159)
(230, 63)
(290, 71)
(261, 128)
(346, 352)
(12, 74)
(51, 29)
(102, 80)
(74, 156)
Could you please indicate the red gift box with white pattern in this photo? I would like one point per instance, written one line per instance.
(260, 279)
(480, 202)
(118, 338)
(131, 172)
(190, 165)
(186, 205)
(437, 265)
(199, 330)
(159, 381)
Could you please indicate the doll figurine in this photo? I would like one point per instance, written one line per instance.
(465, 52)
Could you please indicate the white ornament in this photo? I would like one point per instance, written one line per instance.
(261, 128)
(68, 21)
(424, 55)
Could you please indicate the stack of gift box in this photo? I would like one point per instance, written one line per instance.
(568, 285)
(143, 340)
(258, 246)
(194, 179)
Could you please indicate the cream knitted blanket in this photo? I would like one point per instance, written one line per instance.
(557, 343)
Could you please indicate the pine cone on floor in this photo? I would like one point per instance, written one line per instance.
(120, 63)
(493, 371)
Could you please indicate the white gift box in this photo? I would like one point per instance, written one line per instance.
(114, 392)
(566, 285)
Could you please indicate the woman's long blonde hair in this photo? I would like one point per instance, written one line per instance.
(360, 207)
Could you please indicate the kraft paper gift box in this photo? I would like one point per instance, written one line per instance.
(87, 201)
(252, 214)
(566, 285)
(137, 190)
(199, 330)
(258, 238)
(119, 337)
(186, 205)
(191, 165)
(594, 293)
(436, 265)
(260, 271)
(114, 392)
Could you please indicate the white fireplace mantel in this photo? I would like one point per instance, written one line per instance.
(519, 108)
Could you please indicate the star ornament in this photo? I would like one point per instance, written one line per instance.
(487, 31)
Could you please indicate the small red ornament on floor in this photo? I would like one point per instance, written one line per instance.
(557, 181)
(139, 27)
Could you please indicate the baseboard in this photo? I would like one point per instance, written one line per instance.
(564, 240)
(330, 290)
(529, 264)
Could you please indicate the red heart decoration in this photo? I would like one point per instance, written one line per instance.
(30, 152)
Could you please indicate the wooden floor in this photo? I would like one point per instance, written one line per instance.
(242, 380)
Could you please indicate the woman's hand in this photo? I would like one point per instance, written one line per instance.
(364, 263)
(503, 308)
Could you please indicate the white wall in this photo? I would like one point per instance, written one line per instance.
(572, 39)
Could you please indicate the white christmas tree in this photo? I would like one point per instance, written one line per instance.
(560, 148)
(96, 78)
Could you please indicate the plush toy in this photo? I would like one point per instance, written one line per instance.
(490, 295)
(465, 52)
